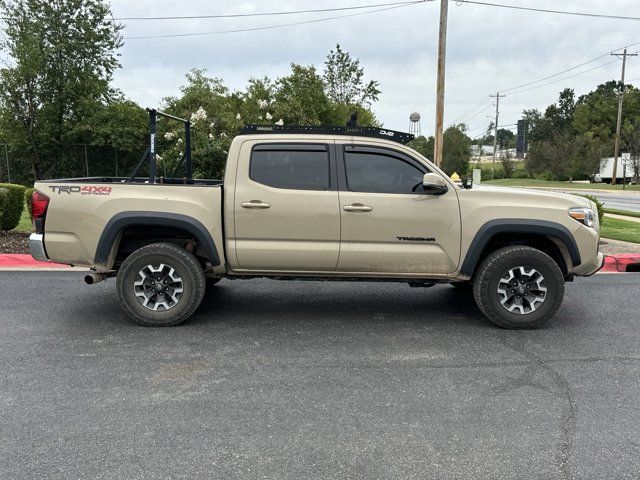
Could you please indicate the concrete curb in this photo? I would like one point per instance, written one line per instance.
(621, 263)
(10, 261)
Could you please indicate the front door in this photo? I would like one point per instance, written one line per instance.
(388, 224)
(287, 216)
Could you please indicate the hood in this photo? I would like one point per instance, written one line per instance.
(575, 200)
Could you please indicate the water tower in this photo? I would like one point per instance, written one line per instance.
(414, 124)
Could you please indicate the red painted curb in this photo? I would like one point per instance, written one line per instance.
(621, 263)
(23, 260)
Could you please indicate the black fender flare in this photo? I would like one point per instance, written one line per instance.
(118, 222)
(517, 225)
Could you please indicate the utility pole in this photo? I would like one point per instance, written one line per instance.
(442, 53)
(616, 150)
(497, 96)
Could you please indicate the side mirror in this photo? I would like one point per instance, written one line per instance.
(434, 184)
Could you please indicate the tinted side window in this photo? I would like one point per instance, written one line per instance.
(378, 173)
(293, 169)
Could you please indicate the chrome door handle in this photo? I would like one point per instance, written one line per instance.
(255, 204)
(357, 207)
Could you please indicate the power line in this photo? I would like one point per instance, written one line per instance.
(564, 78)
(518, 88)
(556, 74)
(567, 70)
(559, 12)
(472, 109)
(271, 27)
(477, 113)
(267, 14)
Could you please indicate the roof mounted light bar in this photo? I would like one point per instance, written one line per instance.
(372, 132)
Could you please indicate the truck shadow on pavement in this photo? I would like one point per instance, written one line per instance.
(290, 302)
(261, 301)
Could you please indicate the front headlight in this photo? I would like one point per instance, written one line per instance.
(584, 215)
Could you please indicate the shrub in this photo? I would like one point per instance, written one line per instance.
(599, 206)
(28, 193)
(548, 176)
(485, 168)
(13, 205)
(520, 173)
(3, 200)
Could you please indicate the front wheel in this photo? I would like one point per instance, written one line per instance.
(160, 285)
(518, 287)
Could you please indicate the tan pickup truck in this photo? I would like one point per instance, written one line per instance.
(318, 204)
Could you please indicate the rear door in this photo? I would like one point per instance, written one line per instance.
(287, 216)
(388, 223)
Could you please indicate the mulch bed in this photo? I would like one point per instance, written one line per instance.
(14, 242)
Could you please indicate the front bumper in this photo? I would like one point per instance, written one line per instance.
(36, 247)
(594, 266)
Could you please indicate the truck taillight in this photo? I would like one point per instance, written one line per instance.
(39, 204)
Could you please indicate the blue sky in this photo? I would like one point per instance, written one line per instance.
(489, 49)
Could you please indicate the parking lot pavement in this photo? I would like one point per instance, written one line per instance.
(316, 380)
(625, 200)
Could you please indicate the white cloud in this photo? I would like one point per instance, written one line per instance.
(488, 49)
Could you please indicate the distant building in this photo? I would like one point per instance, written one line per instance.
(481, 150)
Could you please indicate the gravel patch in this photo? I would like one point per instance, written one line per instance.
(14, 242)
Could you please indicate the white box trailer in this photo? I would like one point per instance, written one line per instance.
(606, 170)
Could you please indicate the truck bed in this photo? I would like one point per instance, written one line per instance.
(83, 212)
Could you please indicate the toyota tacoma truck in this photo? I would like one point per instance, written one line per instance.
(311, 203)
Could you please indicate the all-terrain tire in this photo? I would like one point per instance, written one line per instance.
(489, 280)
(160, 274)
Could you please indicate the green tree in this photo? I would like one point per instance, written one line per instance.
(631, 137)
(506, 139)
(300, 98)
(596, 112)
(508, 165)
(257, 101)
(118, 131)
(215, 116)
(62, 57)
(344, 80)
(550, 157)
(423, 145)
(456, 150)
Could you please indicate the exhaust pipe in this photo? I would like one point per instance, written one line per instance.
(92, 278)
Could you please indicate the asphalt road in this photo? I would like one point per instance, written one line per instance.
(316, 380)
(618, 201)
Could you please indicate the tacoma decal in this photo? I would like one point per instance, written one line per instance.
(416, 239)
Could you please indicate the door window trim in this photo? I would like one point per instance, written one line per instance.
(301, 147)
(385, 151)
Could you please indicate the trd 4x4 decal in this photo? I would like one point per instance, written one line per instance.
(86, 190)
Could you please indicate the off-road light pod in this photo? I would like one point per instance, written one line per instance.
(39, 205)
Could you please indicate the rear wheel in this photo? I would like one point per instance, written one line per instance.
(518, 287)
(160, 285)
